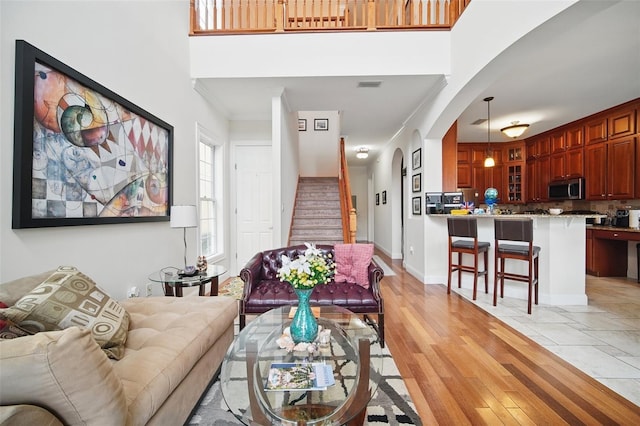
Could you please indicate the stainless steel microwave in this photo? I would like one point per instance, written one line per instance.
(571, 189)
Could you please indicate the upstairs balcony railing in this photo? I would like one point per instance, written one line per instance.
(210, 17)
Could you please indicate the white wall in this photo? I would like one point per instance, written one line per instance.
(358, 177)
(143, 59)
(289, 166)
(319, 153)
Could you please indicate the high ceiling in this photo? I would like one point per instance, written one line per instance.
(584, 69)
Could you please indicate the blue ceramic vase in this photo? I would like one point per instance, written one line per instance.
(304, 327)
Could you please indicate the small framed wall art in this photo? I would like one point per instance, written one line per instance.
(302, 124)
(417, 205)
(377, 198)
(384, 197)
(321, 124)
(417, 182)
(417, 158)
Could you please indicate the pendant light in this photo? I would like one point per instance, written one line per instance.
(489, 161)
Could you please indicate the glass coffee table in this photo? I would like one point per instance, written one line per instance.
(353, 352)
(171, 280)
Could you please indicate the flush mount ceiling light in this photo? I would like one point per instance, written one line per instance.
(515, 130)
(489, 161)
(362, 152)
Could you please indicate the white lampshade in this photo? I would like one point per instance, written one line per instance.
(489, 161)
(184, 217)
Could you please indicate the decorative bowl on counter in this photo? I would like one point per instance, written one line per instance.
(555, 211)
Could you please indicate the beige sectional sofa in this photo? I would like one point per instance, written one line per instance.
(174, 347)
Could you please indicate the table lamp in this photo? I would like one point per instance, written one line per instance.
(184, 217)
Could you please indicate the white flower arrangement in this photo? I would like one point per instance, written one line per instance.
(308, 269)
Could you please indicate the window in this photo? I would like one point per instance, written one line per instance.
(210, 195)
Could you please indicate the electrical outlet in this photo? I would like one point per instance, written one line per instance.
(149, 290)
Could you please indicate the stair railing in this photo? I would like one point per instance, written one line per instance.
(349, 219)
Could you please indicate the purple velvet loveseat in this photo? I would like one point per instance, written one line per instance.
(263, 290)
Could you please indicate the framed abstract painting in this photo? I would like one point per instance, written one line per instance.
(83, 155)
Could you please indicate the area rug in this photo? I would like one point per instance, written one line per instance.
(391, 404)
(232, 288)
(388, 272)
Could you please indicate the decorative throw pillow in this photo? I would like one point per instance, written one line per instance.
(352, 263)
(343, 263)
(69, 298)
(9, 330)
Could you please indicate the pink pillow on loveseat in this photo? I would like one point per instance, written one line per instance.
(352, 263)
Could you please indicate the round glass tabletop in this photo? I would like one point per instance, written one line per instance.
(170, 276)
(353, 355)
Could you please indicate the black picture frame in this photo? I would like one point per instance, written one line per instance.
(416, 182)
(384, 197)
(321, 124)
(416, 203)
(84, 155)
(377, 198)
(416, 159)
(302, 124)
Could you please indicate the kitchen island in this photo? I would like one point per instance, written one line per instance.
(562, 241)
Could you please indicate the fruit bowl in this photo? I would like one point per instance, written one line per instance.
(555, 211)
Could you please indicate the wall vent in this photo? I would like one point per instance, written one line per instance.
(479, 121)
(373, 84)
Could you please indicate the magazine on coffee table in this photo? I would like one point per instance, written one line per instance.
(299, 376)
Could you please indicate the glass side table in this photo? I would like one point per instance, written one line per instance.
(353, 352)
(170, 279)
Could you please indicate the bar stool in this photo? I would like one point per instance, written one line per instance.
(520, 230)
(467, 228)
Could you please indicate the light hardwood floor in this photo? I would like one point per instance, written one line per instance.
(464, 366)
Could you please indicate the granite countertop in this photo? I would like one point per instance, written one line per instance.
(519, 215)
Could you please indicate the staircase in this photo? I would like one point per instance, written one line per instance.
(316, 215)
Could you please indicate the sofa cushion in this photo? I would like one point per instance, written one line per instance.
(167, 337)
(12, 291)
(352, 263)
(68, 298)
(65, 372)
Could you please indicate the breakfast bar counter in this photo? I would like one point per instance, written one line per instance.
(562, 256)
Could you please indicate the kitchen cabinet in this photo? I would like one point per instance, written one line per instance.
(514, 171)
(567, 164)
(610, 125)
(537, 179)
(487, 177)
(538, 147)
(464, 166)
(608, 254)
(610, 170)
(589, 264)
(567, 153)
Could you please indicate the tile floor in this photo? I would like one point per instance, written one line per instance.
(602, 339)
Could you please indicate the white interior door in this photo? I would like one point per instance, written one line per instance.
(254, 217)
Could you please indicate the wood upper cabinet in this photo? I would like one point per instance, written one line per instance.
(611, 170)
(566, 164)
(621, 176)
(637, 167)
(464, 166)
(558, 142)
(574, 137)
(537, 179)
(538, 147)
(610, 125)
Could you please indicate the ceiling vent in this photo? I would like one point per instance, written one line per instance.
(372, 84)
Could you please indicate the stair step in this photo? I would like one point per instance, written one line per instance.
(332, 204)
(318, 196)
(319, 223)
(317, 213)
(316, 242)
